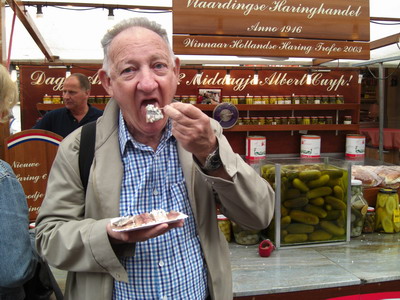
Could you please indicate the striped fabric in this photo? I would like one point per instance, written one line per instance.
(170, 266)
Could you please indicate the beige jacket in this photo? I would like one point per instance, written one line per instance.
(71, 230)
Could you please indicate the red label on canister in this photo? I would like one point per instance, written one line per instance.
(255, 147)
(355, 146)
(310, 146)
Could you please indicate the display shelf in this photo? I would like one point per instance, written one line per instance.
(268, 107)
(241, 107)
(46, 107)
(325, 127)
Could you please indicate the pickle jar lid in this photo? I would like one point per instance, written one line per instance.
(387, 191)
(356, 182)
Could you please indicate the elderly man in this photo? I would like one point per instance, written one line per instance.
(182, 162)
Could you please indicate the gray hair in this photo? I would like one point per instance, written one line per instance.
(8, 94)
(129, 23)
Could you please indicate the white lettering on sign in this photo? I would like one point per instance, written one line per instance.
(33, 178)
(40, 78)
(36, 196)
(17, 164)
(276, 6)
(276, 78)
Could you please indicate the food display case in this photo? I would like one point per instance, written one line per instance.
(312, 201)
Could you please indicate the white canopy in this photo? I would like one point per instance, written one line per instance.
(74, 33)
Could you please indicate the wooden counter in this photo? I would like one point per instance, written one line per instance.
(367, 264)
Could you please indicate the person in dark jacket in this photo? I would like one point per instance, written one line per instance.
(77, 110)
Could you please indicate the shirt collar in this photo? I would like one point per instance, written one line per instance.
(125, 136)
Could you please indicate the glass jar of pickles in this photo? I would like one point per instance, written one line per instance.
(325, 99)
(288, 99)
(303, 99)
(321, 120)
(339, 99)
(234, 100)
(369, 223)
(269, 120)
(249, 99)
(265, 99)
(245, 237)
(387, 211)
(310, 99)
(241, 99)
(226, 99)
(329, 120)
(257, 100)
(292, 120)
(254, 121)
(272, 100)
(299, 120)
(306, 120)
(314, 120)
(332, 99)
(277, 120)
(317, 99)
(280, 100)
(347, 120)
(295, 100)
(359, 208)
(225, 226)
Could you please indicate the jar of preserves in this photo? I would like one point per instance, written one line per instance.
(192, 99)
(329, 120)
(303, 99)
(240, 121)
(246, 121)
(257, 100)
(306, 120)
(310, 99)
(339, 99)
(314, 120)
(254, 121)
(56, 99)
(225, 226)
(241, 100)
(369, 223)
(325, 99)
(299, 120)
(321, 120)
(288, 99)
(332, 99)
(269, 120)
(347, 120)
(277, 120)
(245, 237)
(280, 100)
(234, 100)
(387, 211)
(261, 121)
(265, 99)
(317, 99)
(226, 99)
(292, 120)
(185, 99)
(249, 99)
(296, 100)
(272, 100)
(359, 208)
(284, 120)
(177, 98)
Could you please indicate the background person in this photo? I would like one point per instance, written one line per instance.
(18, 258)
(77, 110)
(178, 163)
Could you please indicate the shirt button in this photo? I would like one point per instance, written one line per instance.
(161, 263)
(155, 192)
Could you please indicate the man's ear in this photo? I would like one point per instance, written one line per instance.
(106, 82)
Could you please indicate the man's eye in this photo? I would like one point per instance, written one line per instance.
(159, 66)
(128, 70)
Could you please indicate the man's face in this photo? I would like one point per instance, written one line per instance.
(73, 95)
(141, 72)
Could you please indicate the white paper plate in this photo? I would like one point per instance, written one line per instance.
(180, 217)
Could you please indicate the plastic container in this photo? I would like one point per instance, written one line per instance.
(359, 208)
(387, 211)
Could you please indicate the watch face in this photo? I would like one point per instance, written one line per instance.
(226, 114)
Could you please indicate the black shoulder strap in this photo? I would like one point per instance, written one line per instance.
(86, 151)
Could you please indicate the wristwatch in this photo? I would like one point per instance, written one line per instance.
(213, 161)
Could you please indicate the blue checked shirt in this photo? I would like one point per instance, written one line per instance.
(170, 266)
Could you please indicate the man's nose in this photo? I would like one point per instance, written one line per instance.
(147, 82)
